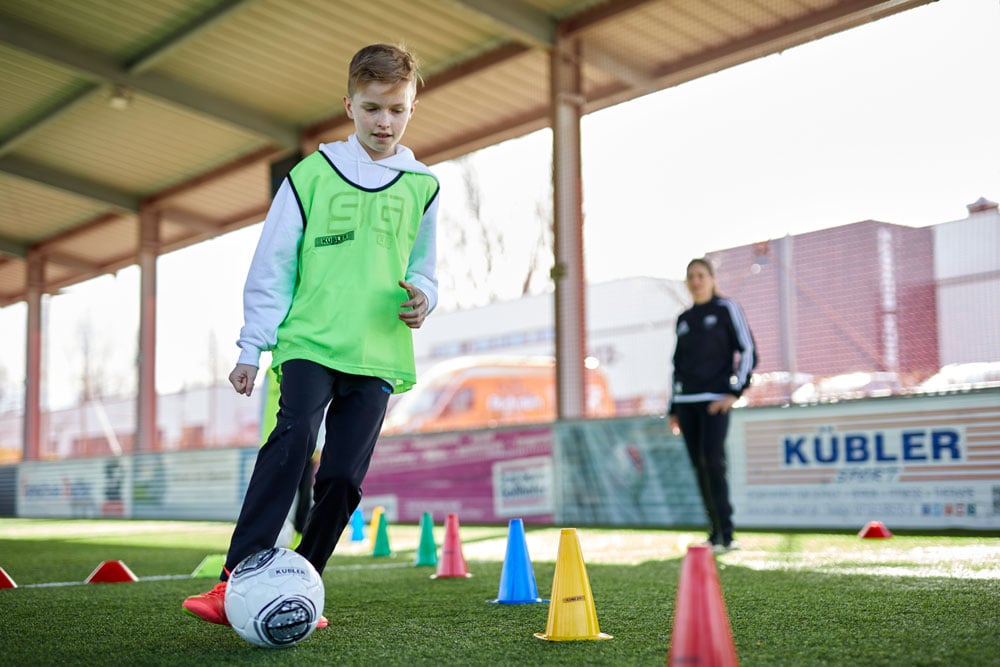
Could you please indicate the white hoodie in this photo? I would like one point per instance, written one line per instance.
(267, 295)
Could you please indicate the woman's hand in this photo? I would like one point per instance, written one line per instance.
(721, 406)
(674, 424)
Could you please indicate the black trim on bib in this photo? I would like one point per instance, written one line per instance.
(399, 175)
(298, 200)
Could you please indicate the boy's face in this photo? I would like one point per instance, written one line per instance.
(380, 112)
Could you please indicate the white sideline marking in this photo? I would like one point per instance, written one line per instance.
(167, 577)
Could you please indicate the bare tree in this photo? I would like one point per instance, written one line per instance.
(483, 258)
(96, 377)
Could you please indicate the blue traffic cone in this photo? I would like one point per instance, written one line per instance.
(517, 579)
(357, 525)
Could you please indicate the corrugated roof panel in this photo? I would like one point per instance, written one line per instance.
(116, 238)
(31, 211)
(290, 60)
(29, 87)
(112, 27)
(242, 75)
(11, 277)
(229, 196)
(118, 148)
(500, 95)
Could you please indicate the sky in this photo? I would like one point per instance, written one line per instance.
(893, 121)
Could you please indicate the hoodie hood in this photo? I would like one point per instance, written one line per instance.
(353, 161)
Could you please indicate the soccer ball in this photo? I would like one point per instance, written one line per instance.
(274, 598)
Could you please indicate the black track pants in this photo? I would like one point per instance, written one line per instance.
(705, 436)
(354, 417)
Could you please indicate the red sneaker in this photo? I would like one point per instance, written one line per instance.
(210, 606)
(322, 623)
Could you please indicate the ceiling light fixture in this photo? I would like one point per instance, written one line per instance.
(121, 98)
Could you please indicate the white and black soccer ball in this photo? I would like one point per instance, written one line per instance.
(274, 598)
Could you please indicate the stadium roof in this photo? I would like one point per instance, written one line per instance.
(176, 108)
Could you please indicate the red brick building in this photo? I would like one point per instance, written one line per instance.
(859, 297)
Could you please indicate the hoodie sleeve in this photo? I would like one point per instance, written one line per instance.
(422, 268)
(267, 294)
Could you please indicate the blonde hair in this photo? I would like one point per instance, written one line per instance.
(385, 63)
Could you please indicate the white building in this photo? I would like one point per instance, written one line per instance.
(967, 273)
(630, 331)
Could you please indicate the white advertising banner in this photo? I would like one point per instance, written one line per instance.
(206, 484)
(523, 487)
(913, 462)
(624, 472)
(929, 463)
(80, 488)
(202, 484)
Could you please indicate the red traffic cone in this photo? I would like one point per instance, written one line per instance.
(452, 562)
(111, 572)
(874, 529)
(5, 580)
(701, 633)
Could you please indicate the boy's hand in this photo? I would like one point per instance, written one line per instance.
(242, 378)
(413, 311)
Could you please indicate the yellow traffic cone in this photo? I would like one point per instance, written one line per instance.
(373, 528)
(572, 615)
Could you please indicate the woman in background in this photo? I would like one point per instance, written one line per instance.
(713, 360)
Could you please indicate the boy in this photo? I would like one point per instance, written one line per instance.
(345, 267)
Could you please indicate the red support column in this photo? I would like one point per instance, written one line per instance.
(149, 246)
(568, 272)
(32, 444)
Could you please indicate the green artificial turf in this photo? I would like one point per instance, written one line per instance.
(792, 599)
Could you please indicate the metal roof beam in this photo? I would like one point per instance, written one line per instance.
(69, 183)
(13, 248)
(519, 20)
(608, 62)
(99, 69)
(73, 262)
(192, 221)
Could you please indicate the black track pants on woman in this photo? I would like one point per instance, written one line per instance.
(353, 420)
(705, 436)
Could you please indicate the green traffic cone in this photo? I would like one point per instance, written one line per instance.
(382, 540)
(427, 552)
(210, 567)
(376, 520)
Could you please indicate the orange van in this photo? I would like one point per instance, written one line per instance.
(479, 392)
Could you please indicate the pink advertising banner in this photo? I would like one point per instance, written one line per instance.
(485, 476)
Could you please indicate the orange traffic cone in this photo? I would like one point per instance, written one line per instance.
(111, 572)
(452, 562)
(5, 580)
(701, 633)
(572, 615)
(874, 529)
